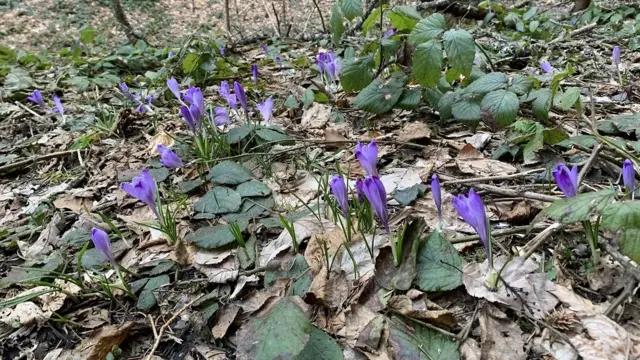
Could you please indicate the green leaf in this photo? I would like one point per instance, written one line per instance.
(554, 135)
(428, 28)
(535, 143)
(542, 103)
(380, 96)
(623, 218)
(433, 96)
(409, 100)
(281, 333)
(294, 268)
(628, 124)
(581, 207)
(502, 104)
(570, 97)
(467, 110)
(488, 83)
(190, 62)
(247, 256)
(520, 85)
(461, 50)
(87, 35)
(147, 300)
(320, 347)
(18, 79)
(211, 237)
(291, 102)
(404, 17)
(427, 63)
(439, 265)
(356, 74)
(307, 98)
(587, 141)
(420, 343)
(189, 186)
(337, 27)
(253, 188)
(352, 8)
(80, 82)
(238, 134)
(445, 105)
(371, 20)
(76, 238)
(220, 200)
(529, 14)
(271, 134)
(229, 173)
(409, 195)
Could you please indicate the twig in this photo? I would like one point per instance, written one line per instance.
(38, 158)
(492, 178)
(427, 325)
(29, 110)
(535, 243)
(505, 232)
(575, 32)
(587, 166)
(275, 13)
(464, 333)
(273, 23)
(627, 263)
(164, 326)
(511, 192)
(324, 28)
(624, 295)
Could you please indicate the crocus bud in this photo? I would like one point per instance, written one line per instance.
(566, 179)
(437, 195)
(254, 73)
(376, 194)
(58, 104)
(124, 88)
(339, 190)
(546, 67)
(266, 110)
(37, 98)
(143, 188)
(102, 243)
(239, 91)
(615, 56)
(186, 115)
(221, 116)
(368, 157)
(628, 175)
(172, 84)
(168, 158)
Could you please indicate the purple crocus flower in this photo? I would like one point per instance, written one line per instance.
(221, 116)
(222, 50)
(254, 73)
(339, 190)
(615, 57)
(320, 59)
(546, 67)
(225, 92)
(172, 84)
(278, 59)
(171, 54)
(566, 179)
(437, 194)
(103, 244)
(143, 188)
(359, 190)
(36, 97)
(376, 194)
(124, 88)
(186, 115)
(389, 33)
(628, 175)
(368, 157)
(58, 104)
(168, 158)
(239, 91)
(472, 211)
(265, 48)
(266, 109)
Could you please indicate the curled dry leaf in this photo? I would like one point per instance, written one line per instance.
(100, 344)
(356, 319)
(415, 131)
(417, 309)
(314, 255)
(221, 273)
(521, 276)
(330, 291)
(303, 228)
(501, 338)
(225, 317)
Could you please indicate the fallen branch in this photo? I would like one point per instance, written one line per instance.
(535, 243)
(34, 159)
(498, 233)
(454, 8)
(364, 17)
(492, 178)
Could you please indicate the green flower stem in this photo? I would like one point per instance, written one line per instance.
(592, 240)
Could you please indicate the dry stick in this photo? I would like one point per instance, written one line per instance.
(510, 192)
(324, 28)
(34, 159)
(164, 326)
(497, 233)
(492, 178)
(535, 243)
(573, 33)
(29, 110)
(227, 16)
(273, 23)
(589, 163)
(275, 13)
(628, 291)
(627, 263)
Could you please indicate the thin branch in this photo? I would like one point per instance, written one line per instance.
(19, 164)
(324, 28)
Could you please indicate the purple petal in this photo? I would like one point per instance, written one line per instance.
(186, 115)
(221, 116)
(377, 196)
(546, 67)
(615, 57)
(254, 72)
(58, 104)
(339, 190)
(239, 91)
(103, 244)
(368, 157)
(628, 175)
(266, 109)
(567, 180)
(37, 98)
(168, 158)
(437, 195)
(175, 88)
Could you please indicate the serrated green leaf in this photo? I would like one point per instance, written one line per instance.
(488, 83)
(554, 135)
(445, 105)
(404, 17)
(571, 95)
(356, 74)
(433, 96)
(623, 218)
(581, 207)
(439, 265)
(428, 28)
(427, 63)
(380, 96)
(461, 50)
(337, 27)
(190, 62)
(502, 104)
(536, 142)
(420, 343)
(229, 173)
(351, 8)
(520, 85)
(320, 347)
(219, 200)
(467, 110)
(370, 21)
(587, 141)
(542, 103)
(627, 124)
(281, 333)
(409, 100)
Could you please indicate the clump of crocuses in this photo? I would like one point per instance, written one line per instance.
(329, 66)
(145, 189)
(144, 102)
(37, 98)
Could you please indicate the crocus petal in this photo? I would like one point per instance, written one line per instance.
(377, 196)
(368, 157)
(320, 60)
(567, 180)
(196, 116)
(186, 115)
(471, 209)
(224, 89)
(168, 158)
(615, 57)
(339, 190)
(222, 50)
(546, 67)
(437, 195)
(58, 104)
(266, 109)
(254, 72)
(221, 116)
(175, 88)
(103, 244)
(265, 48)
(143, 188)
(124, 88)
(36, 97)
(628, 175)
(239, 91)
(359, 191)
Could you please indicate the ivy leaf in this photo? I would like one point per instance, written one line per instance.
(427, 63)
(337, 27)
(356, 74)
(352, 8)
(380, 96)
(461, 50)
(428, 28)
(502, 104)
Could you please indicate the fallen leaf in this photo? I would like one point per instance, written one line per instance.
(334, 139)
(100, 343)
(415, 131)
(400, 178)
(314, 253)
(304, 228)
(357, 317)
(364, 264)
(316, 117)
(73, 203)
(221, 273)
(25, 314)
(330, 291)
(501, 338)
(225, 317)
(468, 152)
(417, 309)
(485, 167)
(479, 140)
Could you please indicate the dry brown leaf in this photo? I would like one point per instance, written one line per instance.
(356, 319)
(515, 211)
(331, 292)
(225, 317)
(469, 152)
(417, 309)
(485, 167)
(73, 203)
(479, 140)
(332, 135)
(221, 273)
(316, 117)
(365, 266)
(160, 138)
(400, 178)
(25, 314)
(314, 251)
(469, 350)
(100, 343)
(501, 338)
(522, 276)
(304, 228)
(415, 131)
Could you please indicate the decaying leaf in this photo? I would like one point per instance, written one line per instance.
(225, 317)
(100, 344)
(415, 131)
(303, 228)
(417, 309)
(501, 337)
